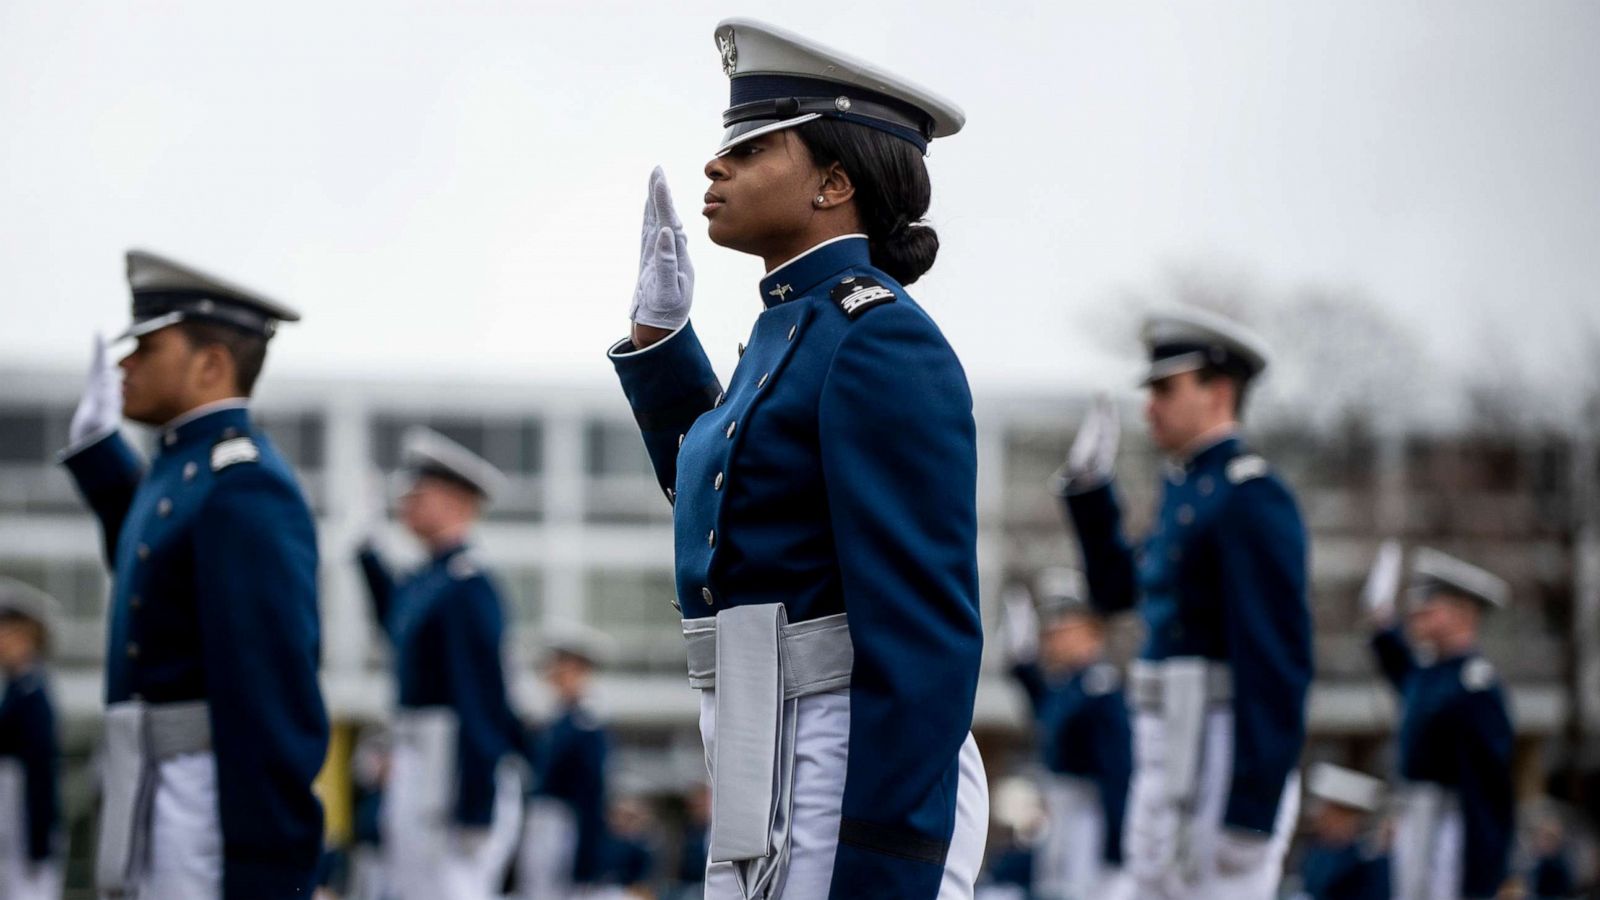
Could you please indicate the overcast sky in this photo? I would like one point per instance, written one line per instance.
(454, 188)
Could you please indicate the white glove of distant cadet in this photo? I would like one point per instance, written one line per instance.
(1020, 624)
(100, 410)
(1093, 457)
(1240, 852)
(666, 278)
(1377, 597)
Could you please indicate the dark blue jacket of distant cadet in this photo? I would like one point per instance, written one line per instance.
(1347, 872)
(1455, 732)
(28, 736)
(838, 474)
(569, 761)
(1081, 725)
(1222, 576)
(445, 624)
(214, 597)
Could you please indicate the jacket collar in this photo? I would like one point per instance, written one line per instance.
(1214, 454)
(223, 419)
(798, 276)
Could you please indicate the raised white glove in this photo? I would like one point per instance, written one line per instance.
(1377, 596)
(1019, 623)
(665, 289)
(1093, 457)
(100, 409)
(1240, 852)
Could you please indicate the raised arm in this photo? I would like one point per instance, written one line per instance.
(258, 620)
(380, 584)
(1393, 654)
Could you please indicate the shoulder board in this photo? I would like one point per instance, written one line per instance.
(858, 293)
(1477, 674)
(1100, 679)
(231, 451)
(1244, 468)
(461, 567)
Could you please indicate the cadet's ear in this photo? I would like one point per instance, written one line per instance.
(217, 367)
(836, 188)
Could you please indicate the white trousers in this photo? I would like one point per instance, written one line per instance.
(822, 750)
(20, 877)
(428, 856)
(549, 841)
(184, 860)
(1069, 861)
(1171, 855)
(1428, 844)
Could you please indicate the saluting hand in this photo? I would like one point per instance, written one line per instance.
(1377, 596)
(1093, 457)
(100, 409)
(665, 290)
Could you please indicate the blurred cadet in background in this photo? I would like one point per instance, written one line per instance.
(453, 803)
(1341, 862)
(1017, 822)
(630, 861)
(369, 777)
(1220, 687)
(215, 727)
(1081, 729)
(689, 876)
(1455, 801)
(825, 503)
(1550, 877)
(30, 750)
(564, 844)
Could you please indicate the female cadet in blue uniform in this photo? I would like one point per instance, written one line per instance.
(452, 807)
(1081, 723)
(1456, 816)
(825, 513)
(30, 797)
(1220, 687)
(1340, 864)
(215, 726)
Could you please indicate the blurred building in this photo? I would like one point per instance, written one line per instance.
(584, 535)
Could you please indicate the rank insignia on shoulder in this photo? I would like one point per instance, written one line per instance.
(857, 294)
(233, 450)
(1246, 467)
(1101, 679)
(461, 567)
(1477, 674)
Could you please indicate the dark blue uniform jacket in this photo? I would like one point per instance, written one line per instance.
(28, 736)
(1347, 872)
(446, 626)
(1455, 732)
(214, 597)
(838, 474)
(1222, 576)
(1081, 724)
(569, 760)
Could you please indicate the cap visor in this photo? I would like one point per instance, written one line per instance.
(1166, 368)
(740, 132)
(146, 326)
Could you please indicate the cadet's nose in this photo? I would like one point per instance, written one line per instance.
(716, 168)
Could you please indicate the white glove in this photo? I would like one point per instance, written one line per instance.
(1093, 457)
(1377, 597)
(100, 409)
(1019, 623)
(1241, 852)
(665, 289)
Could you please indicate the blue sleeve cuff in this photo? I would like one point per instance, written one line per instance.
(106, 462)
(668, 384)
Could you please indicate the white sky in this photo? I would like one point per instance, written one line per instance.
(455, 187)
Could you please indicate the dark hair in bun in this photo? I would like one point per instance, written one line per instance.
(892, 192)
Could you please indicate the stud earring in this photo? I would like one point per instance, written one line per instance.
(821, 200)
